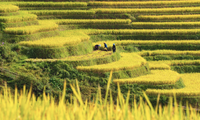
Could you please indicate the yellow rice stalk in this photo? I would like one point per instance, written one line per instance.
(143, 31)
(127, 61)
(150, 42)
(158, 66)
(14, 108)
(50, 4)
(176, 62)
(157, 77)
(42, 27)
(18, 18)
(62, 12)
(165, 24)
(92, 21)
(94, 55)
(168, 17)
(191, 81)
(145, 10)
(70, 38)
(134, 3)
(5, 8)
(168, 52)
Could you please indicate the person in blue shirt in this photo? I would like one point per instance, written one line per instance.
(105, 46)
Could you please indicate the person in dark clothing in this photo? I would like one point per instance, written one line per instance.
(96, 47)
(114, 47)
(105, 46)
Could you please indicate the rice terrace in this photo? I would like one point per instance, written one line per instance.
(99, 60)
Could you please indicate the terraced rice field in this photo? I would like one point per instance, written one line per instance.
(191, 81)
(128, 61)
(180, 17)
(156, 77)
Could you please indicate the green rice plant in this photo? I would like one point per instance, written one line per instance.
(6, 8)
(42, 27)
(62, 12)
(143, 3)
(24, 16)
(66, 38)
(92, 21)
(127, 61)
(168, 17)
(156, 77)
(145, 10)
(191, 81)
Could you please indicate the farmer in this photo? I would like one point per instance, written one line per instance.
(96, 47)
(114, 47)
(105, 46)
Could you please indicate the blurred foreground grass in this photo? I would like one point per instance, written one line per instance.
(25, 106)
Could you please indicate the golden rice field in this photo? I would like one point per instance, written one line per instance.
(158, 66)
(145, 10)
(168, 52)
(24, 16)
(155, 24)
(25, 106)
(27, 30)
(176, 62)
(92, 21)
(168, 17)
(94, 55)
(127, 61)
(133, 3)
(150, 42)
(65, 38)
(156, 77)
(62, 12)
(142, 31)
(8, 8)
(48, 4)
(191, 81)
